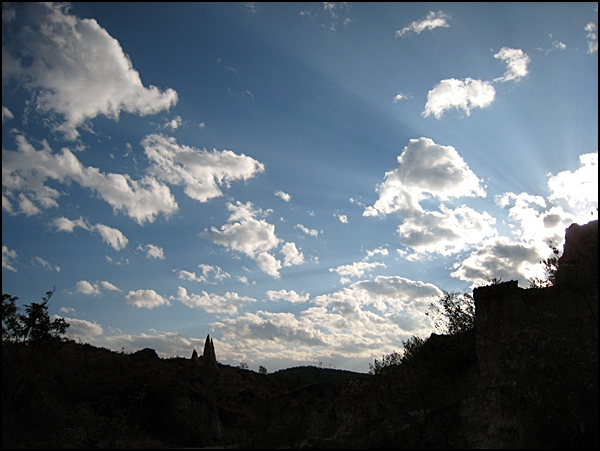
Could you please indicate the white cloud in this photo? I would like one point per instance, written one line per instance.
(8, 259)
(285, 196)
(6, 114)
(109, 235)
(153, 251)
(145, 299)
(400, 97)
(460, 94)
(85, 287)
(500, 258)
(290, 296)
(579, 188)
(212, 303)
(26, 170)
(310, 232)
(342, 218)
(174, 123)
(109, 286)
(592, 37)
(45, 264)
(201, 172)
(430, 22)
(218, 275)
(446, 232)
(516, 61)
(356, 269)
(425, 169)
(253, 237)
(292, 256)
(75, 69)
(80, 329)
(378, 251)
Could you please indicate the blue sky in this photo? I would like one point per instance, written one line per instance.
(298, 180)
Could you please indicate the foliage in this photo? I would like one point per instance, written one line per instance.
(387, 360)
(453, 313)
(262, 370)
(243, 366)
(550, 267)
(32, 326)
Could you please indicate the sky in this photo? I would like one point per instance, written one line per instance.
(298, 180)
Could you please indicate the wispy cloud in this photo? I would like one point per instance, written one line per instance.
(592, 37)
(9, 257)
(517, 62)
(153, 251)
(430, 22)
(284, 196)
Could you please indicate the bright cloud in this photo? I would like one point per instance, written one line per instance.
(430, 22)
(356, 269)
(200, 172)
(342, 218)
(579, 188)
(517, 62)
(592, 37)
(445, 232)
(80, 329)
(75, 69)
(153, 251)
(425, 169)
(212, 303)
(6, 114)
(290, 296)
(500, 258)
(8, 259)
(292, 256)
(378, 251)
(26, 171)
(145, 299)
(460, 94)
(109, 235)
(109, 286)
(310, 232)
(249, 235)
(285, 196)
(85, 287)
(210, 274)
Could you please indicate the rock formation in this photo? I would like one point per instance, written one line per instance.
(209, 359)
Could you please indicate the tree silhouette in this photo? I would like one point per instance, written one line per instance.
(34, 325)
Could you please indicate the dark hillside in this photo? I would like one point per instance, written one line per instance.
(525, 376)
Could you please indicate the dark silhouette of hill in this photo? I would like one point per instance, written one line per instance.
(525, 376)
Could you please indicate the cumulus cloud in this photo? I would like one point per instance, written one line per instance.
(26, 171)
(425, 169)
(470, 93)
(377, 251)
(292, 256)
(145, 299)
(460, 94)
(446, 232)
(210, 274)
(253, 237)
(517, 62)
(110, 235)
(285, 196)
(174, 123)
(430, 22)
(212, 303)
(500, 258)
(200, 172)
(290, 296)
(579, 188)
(109, 286)
(80, 329)
(8, 259)
(75, 69)
(592, 37)
(85, 287)
(153, 251)
(356, 269)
